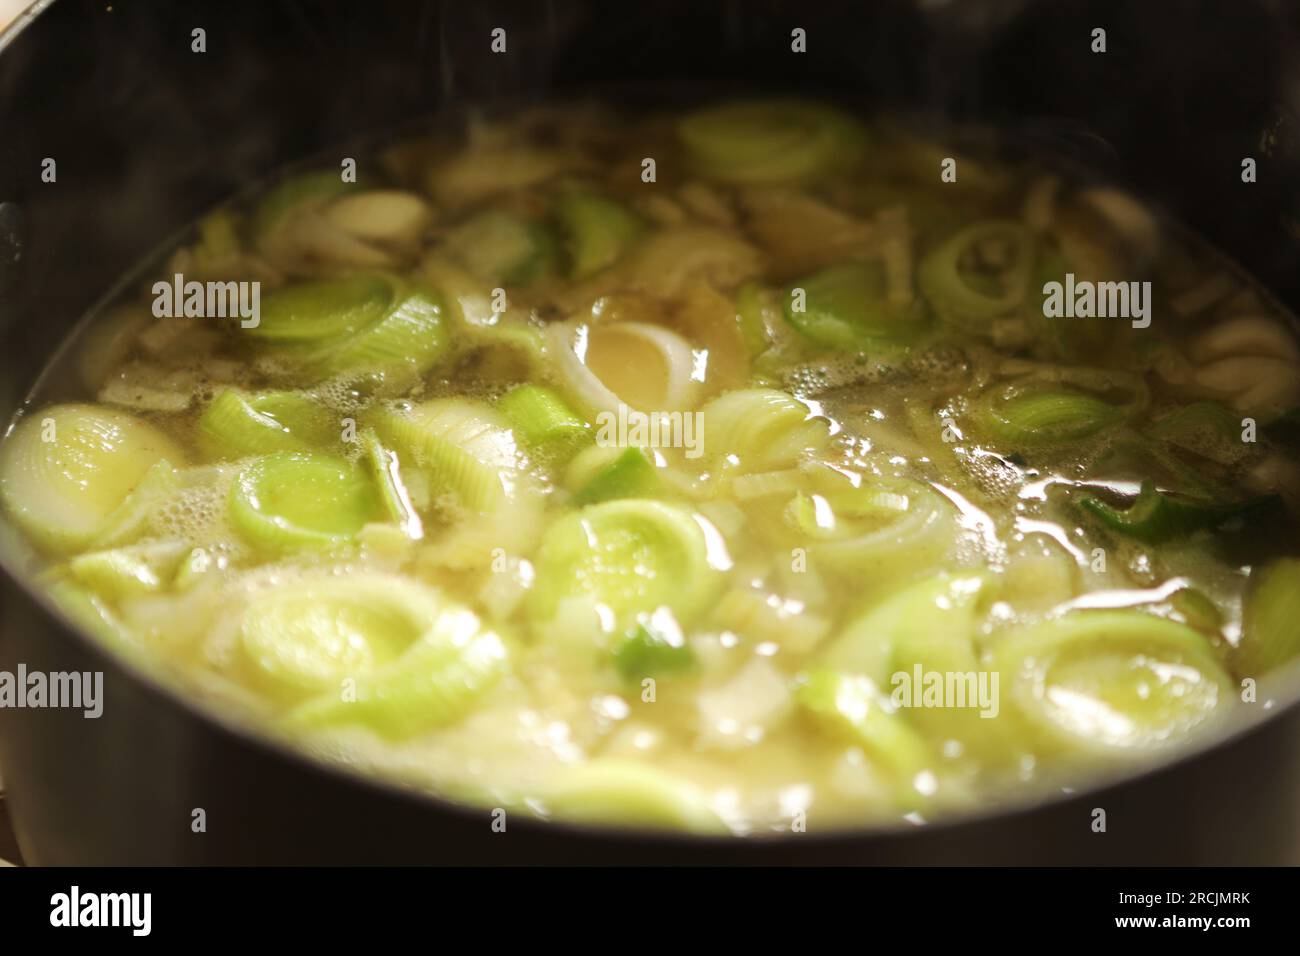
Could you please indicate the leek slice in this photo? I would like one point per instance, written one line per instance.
(648, 650)
(621, 792)
(644, 367)
(307, 637)
(238, 424)
(542, 420)
(931, 622)
(1019, 415)
(854, 708)
(1271, 627)
(292, 194)
(130, 520)
(979, 274)
(352, 323)
(847, 307)
(625, 559)
(761, 429)
(872, 532)
(1155, 516)
(433, 682)
(1113, 683)
(65, 492)
(466, 446)
(292, 500)
(760, 142)
(310, 313)
(1205, 428)
(502, 247)
(124, 572)
(629, 474)
(385, 469)
(598, 231)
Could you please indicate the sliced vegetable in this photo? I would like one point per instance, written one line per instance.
(543, 421)
(761, 429)
(238, 424)
(650, 651)
(624, 559)
(1206, 428)
(598, 231)
(627, 365)
(502, 247)
(294, 500)
(1113, 683)
(770, 141)
(355, 322)
(1155, 515)
(614, 792)
(854, 708)
(846, 307)
(1033, 416)
(979, 274)
(65, 470)
(404, 659)
(1271, 628)
(386, 471)
(466, 446)
(628, 474)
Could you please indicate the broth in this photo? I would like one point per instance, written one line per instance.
(747, 469)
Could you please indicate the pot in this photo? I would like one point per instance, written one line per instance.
(147, 133)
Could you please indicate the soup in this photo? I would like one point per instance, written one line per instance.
(750, 468)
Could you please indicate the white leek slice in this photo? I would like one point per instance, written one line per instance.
(761, 430)
(645, 367)
(1113, 683)
(65, 470)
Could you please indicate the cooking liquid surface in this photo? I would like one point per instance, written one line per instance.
(750, 492)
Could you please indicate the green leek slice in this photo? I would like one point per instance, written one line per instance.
(979, 274)
(237, 424)
(385, 469)
(502, 247)
(626, 559)
(467, 447)
(1018, 415)
(1113, 683)
(651, 651)
(293, 500)
(542, 420)
(759, 142)
(1155, 516)
(356, 322)
(846, 307)
(614, 791)
(452, 661)
(628, 474)
(598, 231)
(1271, 627)
(65, 492)
(852, 707)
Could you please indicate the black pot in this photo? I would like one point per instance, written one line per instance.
(147, 134)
